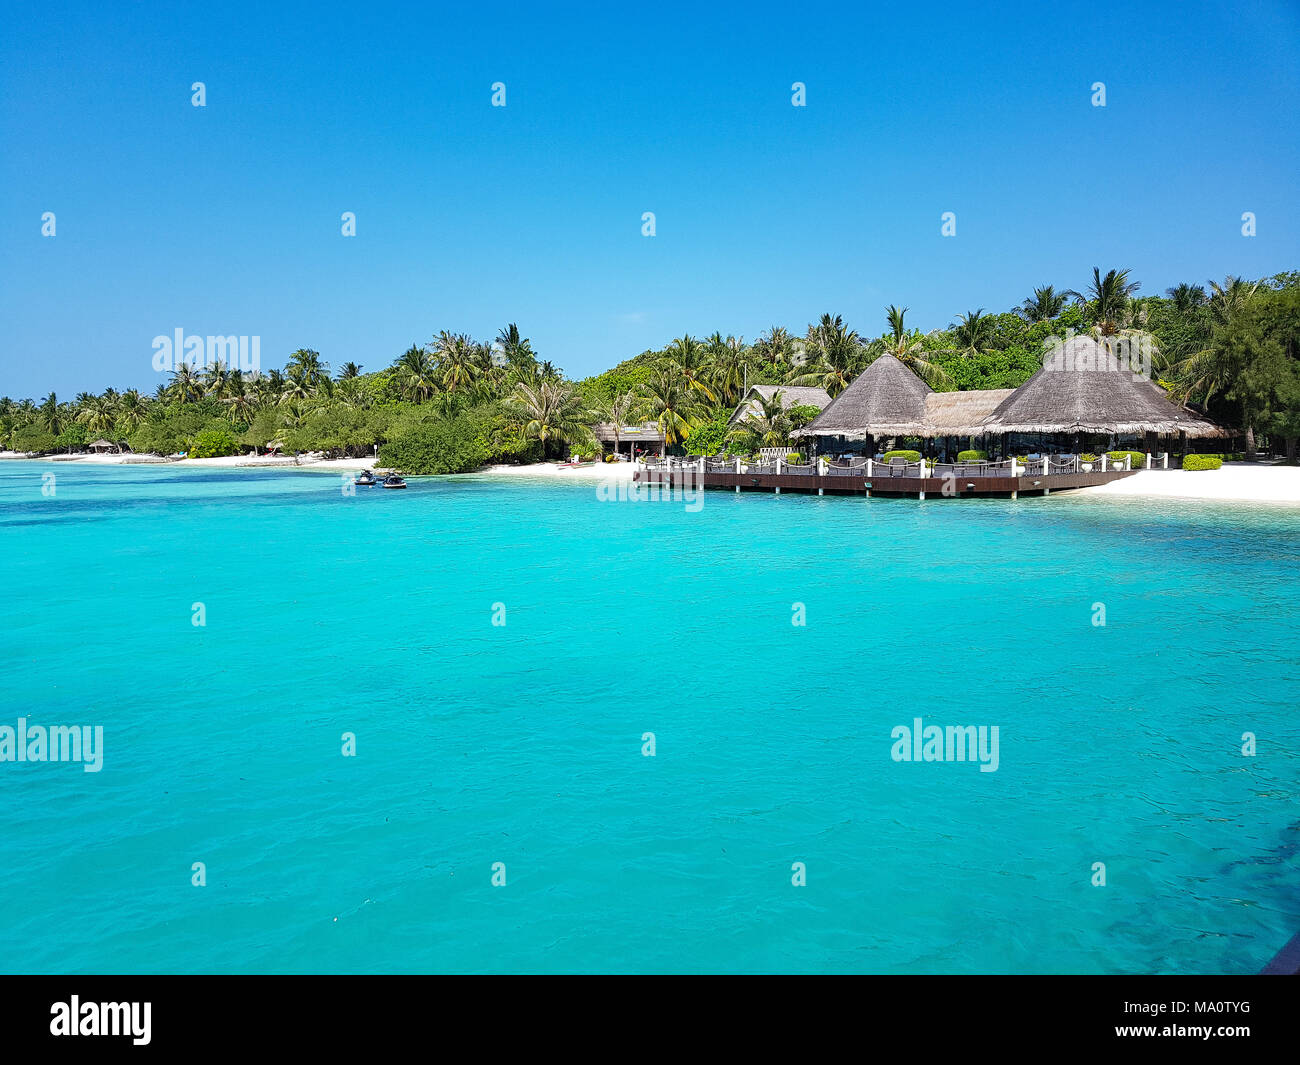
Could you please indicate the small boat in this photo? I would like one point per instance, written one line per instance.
(366, 478)
(392, 481)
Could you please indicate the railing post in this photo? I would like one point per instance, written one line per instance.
(922, 465)
(869, 465)
(1047, 465)
(1166, 457)
(737, 464)
(1149, 466)
(778, 465)
(1015, 467)
(1128, 461)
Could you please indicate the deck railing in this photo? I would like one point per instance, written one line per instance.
(1038, 465)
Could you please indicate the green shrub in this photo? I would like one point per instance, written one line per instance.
(74, 437)
(421, 444)
(211, 443)
(800, 414)
(794, 457)
(1139, 457)
(1202, 462)
(33, 438)
(909, 456)
(709, 437)
(972, 456)
(1087, 456)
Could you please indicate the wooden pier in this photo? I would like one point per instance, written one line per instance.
(917, 480)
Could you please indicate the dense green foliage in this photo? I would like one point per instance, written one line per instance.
(907, 456)
(972, 456)
(1202, 462)
(455, 403)
(1139, 458)
(213, 442)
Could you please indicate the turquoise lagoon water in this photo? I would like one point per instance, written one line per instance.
(521, 743)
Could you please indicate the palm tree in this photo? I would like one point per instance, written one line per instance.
(692, 363)
(776, 345)
(770, 425)
(1046, 303)
(907, 348)
(836, 351)
(552, 411)
(672, 404)
(1110, 296)
(730, 367)
(457, 357)
(50, 415)
(299, 385)
(1229, 298)
(516, 349)
(308, 366)
(417, 374)
(98, 415)
(185, 384)
(1186, 298)
(131, 409)
(240, 400)
(348, 371)
(974, 331)
(214, 380)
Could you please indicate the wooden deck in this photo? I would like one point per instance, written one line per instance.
(879, 485)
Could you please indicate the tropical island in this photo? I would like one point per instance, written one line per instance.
(1228, 353)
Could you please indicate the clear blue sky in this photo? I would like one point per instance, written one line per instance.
(226, 219)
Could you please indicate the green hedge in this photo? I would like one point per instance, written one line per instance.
(213, 443)
(1202, 462)
(910, 456)
(972, 456)
(1139, 457)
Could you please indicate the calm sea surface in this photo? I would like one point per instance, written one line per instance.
(522, 743)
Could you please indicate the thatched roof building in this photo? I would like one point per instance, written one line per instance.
(1082, 390)
(791, 396)
(886, 399)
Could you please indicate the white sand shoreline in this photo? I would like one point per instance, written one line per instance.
(262, 462)
(1236, 482)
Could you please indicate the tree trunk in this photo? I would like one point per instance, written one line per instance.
(1290, 448)
(1250, 436)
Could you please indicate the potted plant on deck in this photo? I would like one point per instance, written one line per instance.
(1086, 461)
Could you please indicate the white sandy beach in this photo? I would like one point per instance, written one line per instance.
(226, 461)
(1233, 483)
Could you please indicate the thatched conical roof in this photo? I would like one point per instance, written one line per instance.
(1082, 389)
(886, 399)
